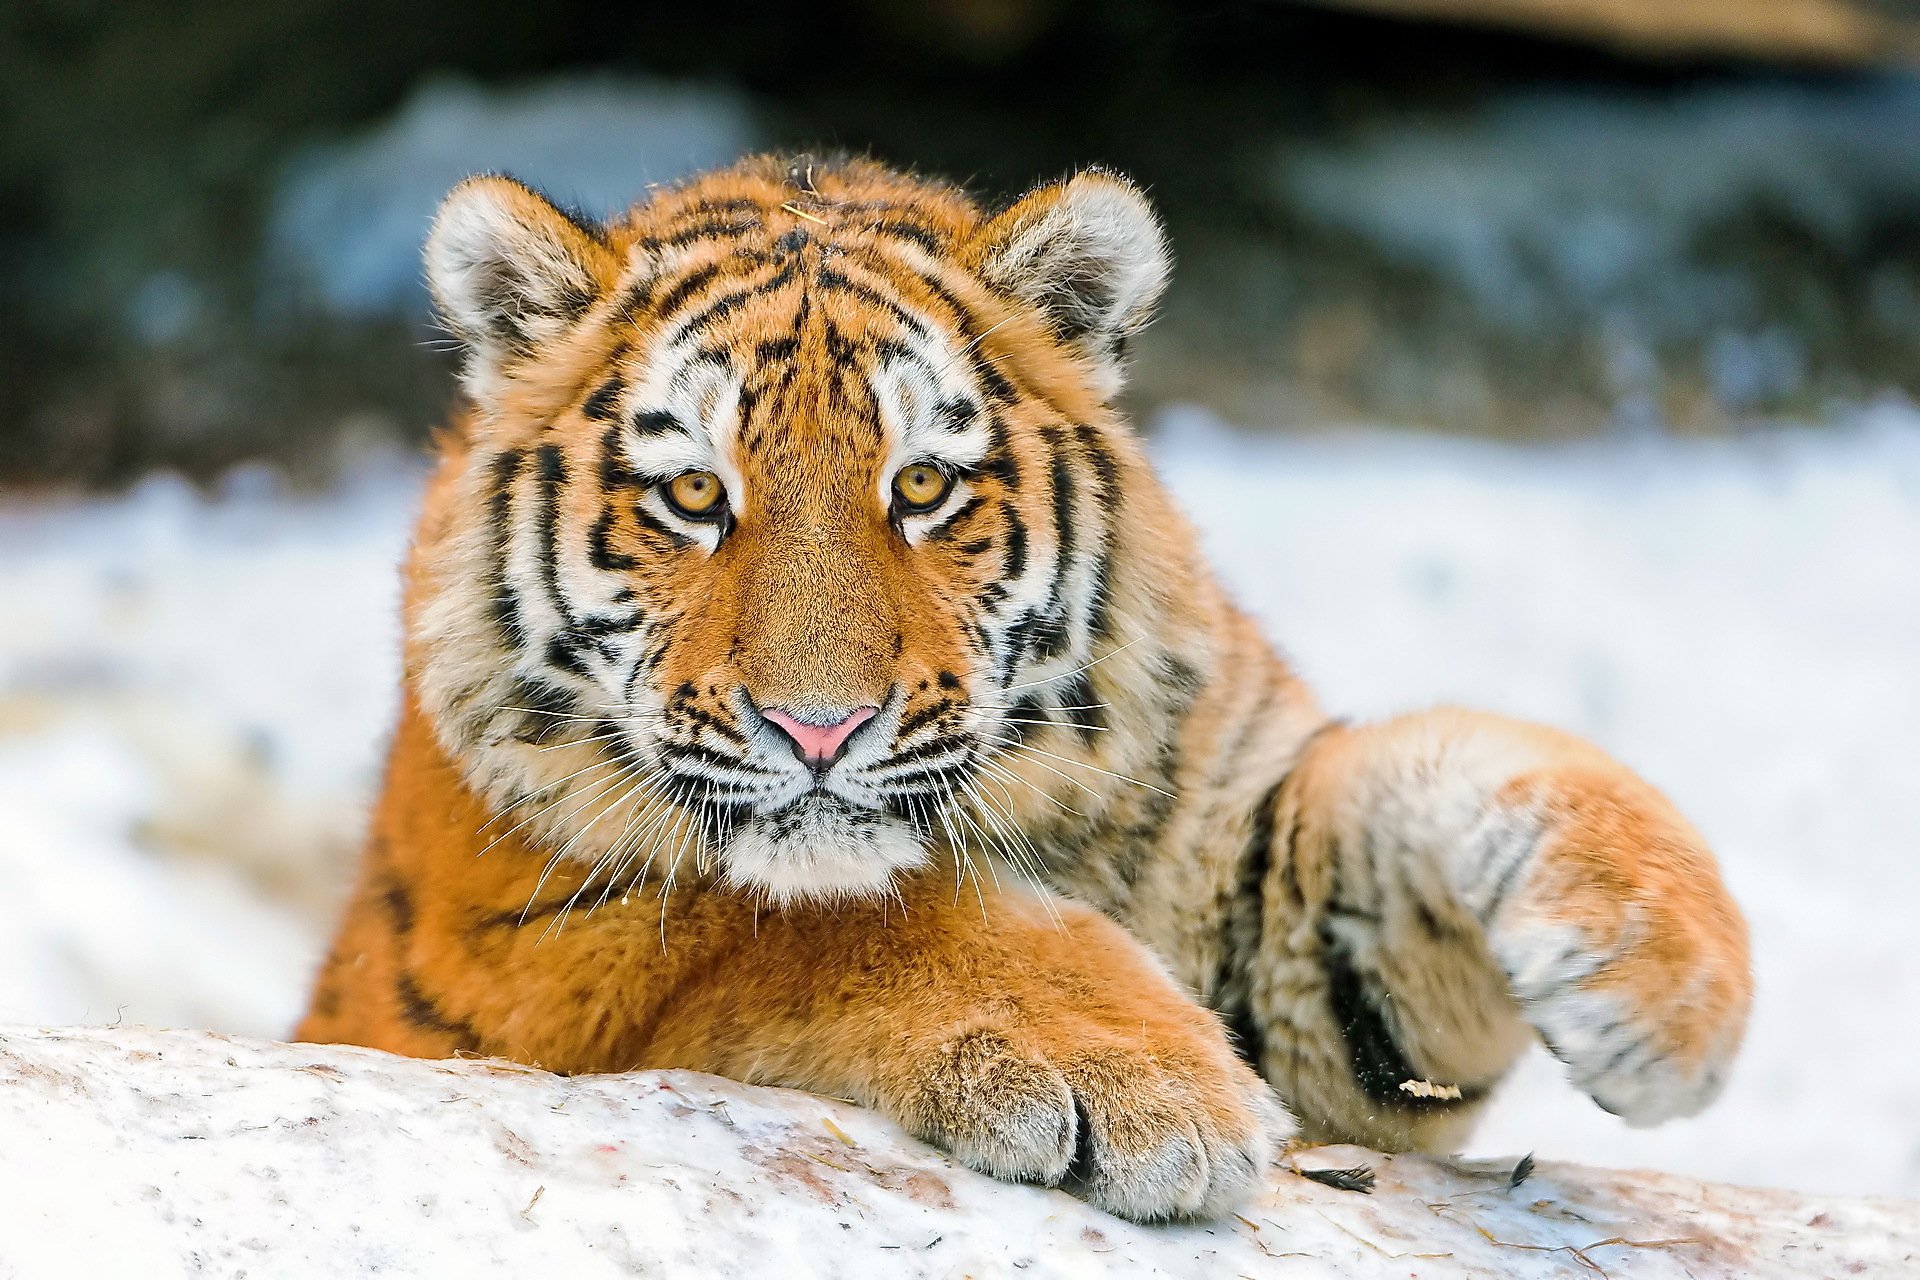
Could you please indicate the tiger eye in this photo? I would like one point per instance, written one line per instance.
(695, 494)
(920, 487)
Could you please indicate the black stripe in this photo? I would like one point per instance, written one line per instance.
(727, 303)
(842, 349)
(927, 750)
(904, 782)
(987, 373)
(564, 652)
(1179, 676)
(896, 350)
(653, 422)
(1144, 838)
(1378, 1063)
(957, 414)
(552, 466)
(921, 718)
(712, 228)
(420, 1010)
(600, 546)
(604, 404)
(1076, 691)
(832, 281)
(999, 461)
(689, 285)
(608, 624)
(1100, 595)
(1022, 636)
(722, 204)
(900, 230)
(1104, 466)
(1508, 875)
(1063, 500)
(506, 601)
(1051, 637)
(1034, 709)
(1016, 553)
(713, 724)
(527, 915)
(546, 709)
(393, 890)
(696, 753)
(951, 525)
(638, 297)
(1244, 923)
(615, 476)
(1243, 927)
(399, 905)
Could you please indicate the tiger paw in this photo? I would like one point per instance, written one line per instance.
(1147, 1123)
(1623, 947)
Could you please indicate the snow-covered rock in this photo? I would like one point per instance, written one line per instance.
(150, 1153)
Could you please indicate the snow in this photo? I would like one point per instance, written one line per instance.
(167, 1153)
(192, 695)
(194, 691)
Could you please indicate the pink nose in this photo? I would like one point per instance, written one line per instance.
(819, 744)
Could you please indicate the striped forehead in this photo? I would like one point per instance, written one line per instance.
(823, 354)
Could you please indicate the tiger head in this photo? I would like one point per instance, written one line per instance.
(780, 502)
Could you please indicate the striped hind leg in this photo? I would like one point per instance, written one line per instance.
(1447, 886)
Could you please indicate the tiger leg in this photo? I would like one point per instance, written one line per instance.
(1032, 1037)
(1448, 886)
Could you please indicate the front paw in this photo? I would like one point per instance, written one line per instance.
(1147, 1123)
(1625, 950)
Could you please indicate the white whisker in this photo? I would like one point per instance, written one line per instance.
(1085, 666)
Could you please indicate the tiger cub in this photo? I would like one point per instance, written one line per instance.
(807, 680)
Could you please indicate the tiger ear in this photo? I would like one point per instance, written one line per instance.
(1090, 255)
(509, 271)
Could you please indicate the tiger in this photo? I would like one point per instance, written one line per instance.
(807, 680)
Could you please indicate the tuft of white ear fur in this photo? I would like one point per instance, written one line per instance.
(509, 271)
(1090, 254)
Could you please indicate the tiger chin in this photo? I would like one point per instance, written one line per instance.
(821, 850)
(807, 680)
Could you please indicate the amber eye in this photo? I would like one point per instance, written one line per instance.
(920, 487)
(694, 494)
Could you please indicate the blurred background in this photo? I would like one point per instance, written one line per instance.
(1556, 356)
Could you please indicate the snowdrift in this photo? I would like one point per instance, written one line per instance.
(170, 1153)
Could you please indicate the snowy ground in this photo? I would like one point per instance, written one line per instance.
(193, 692)
(145, 1153)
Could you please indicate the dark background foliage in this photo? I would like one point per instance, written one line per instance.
(140, 143)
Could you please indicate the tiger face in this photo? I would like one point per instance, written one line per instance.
(782, 503)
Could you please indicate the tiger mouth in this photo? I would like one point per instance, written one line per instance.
(821, 847)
